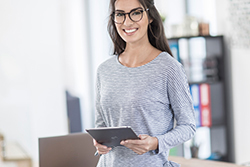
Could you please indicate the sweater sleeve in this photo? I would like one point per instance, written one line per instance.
(99, 120)
(182, 107)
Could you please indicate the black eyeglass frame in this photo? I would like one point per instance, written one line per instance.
(142, 10)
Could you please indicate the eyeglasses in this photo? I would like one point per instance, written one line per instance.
(135, 15)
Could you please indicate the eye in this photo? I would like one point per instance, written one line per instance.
(119, 14)
(137, 12)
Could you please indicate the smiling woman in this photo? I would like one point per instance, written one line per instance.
(155, 29)
(142, 86)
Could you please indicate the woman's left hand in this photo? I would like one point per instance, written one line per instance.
(147, 143)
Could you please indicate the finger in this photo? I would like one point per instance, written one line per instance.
(94, 142)
(122, 142)
(103, 147)
(142, 137)
(139, 150)
(126, 143)
(134, 142)
(103, 152)
(135, 147)
(99, 145)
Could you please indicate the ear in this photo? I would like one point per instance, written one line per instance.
(150, 21)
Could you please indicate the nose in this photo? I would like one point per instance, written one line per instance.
(127, 21)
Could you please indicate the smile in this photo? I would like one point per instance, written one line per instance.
(131, 30)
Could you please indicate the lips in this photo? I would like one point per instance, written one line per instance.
(130, 31)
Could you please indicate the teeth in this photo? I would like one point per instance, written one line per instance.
(129, 31)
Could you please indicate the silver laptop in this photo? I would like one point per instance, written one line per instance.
(73, 150)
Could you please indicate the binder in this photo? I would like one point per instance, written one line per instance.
(175, 49)
(194, 91)
(184, 55)
(197, 52)
(205, 105)
(197, 48)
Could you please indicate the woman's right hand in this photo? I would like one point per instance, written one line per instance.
(101, 149)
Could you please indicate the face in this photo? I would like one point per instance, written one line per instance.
(130, 31)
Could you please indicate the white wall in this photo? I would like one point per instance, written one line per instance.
(86, 45)
(44, 50)
(239, 59)
(32, 97)
(174, 12)
(241, 99)
(77, 58)
(99, 42)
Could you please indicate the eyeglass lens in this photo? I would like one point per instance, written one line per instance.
(136, 15)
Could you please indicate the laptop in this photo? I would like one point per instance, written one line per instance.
(73, 150)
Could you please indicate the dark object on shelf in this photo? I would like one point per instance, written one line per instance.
(74, 113)
(194, 151)
(211, 68)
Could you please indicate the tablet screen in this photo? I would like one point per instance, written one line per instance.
(112, 136)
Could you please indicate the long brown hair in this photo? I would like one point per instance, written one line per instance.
(156, 32)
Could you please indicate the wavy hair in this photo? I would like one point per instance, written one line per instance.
(156, 34)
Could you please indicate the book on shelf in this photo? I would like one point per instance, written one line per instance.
(197, 54)
(205, 102)
(174, 47)
(195, 93)
(183, 53)
(201, 101)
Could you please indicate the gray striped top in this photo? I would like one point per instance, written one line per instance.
(147, 98)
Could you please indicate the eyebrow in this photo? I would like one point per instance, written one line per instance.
(130, 10)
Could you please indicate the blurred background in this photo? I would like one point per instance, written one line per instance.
(50, 50)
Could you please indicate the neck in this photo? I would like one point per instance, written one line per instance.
(138, 50)
(136, 54)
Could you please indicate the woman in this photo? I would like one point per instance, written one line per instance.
(144, 87)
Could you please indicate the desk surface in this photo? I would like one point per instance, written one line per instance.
(198, 162)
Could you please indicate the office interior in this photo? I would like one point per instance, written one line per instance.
(50, 51)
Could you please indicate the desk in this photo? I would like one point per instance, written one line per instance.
(198, 162)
